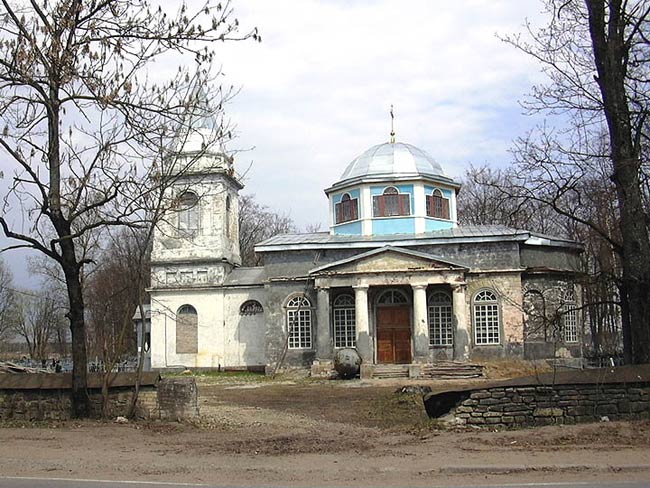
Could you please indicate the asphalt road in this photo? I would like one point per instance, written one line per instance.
(69, 483)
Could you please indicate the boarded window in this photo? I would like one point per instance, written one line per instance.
(188, 213)
(437, 205)
(187, 330)
(347, 209)
(391, 203)
(440, 320)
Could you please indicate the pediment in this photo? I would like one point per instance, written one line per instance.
(388, 259)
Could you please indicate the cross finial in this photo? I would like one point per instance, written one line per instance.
(392, 125)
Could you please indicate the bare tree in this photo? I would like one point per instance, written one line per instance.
(91, 126)
(595, 53)
(8, 305)
(256, 223)
(37, 322)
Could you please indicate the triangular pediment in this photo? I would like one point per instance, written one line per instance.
(388, 259)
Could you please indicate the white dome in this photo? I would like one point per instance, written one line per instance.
(388, 159)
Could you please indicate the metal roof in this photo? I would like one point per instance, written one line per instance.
(408, 252)
(470, 233)
(245, 277)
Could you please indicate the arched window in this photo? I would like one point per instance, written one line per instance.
(188, 212)
(486, 318)
(437, 205)
(186, 330)
(440, 320)
(392, 297)
(299, 322)
(227, 222)
(347, 209)
(391, 203)
(345, 329)
(569, 317)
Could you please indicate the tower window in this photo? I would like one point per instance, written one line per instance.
(347, 209)
(391, 203)
(227, 223)
(188, 212)
(437, 205)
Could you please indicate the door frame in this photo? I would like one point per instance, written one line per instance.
(408, 303)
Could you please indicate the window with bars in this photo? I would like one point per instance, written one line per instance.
(188, 212)
(437, 205)
(569, 318)
(440, 320)
(299, 323)
(391, 203)
(347, 209)
(345, 329)
(486, 318)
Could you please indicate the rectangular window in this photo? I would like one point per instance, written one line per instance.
(486, 324)
(440, 326)
(345, 330)
(347, 210)
(437, 207)
(299, 322)
(391, 205)
(570, 323)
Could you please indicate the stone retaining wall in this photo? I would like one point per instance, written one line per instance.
(517, 406)
(50, 399)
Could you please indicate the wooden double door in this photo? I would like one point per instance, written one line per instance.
(394, 334)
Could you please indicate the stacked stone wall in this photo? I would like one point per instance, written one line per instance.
(519, 406)
(171, 399)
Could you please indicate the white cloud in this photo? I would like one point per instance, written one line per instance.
(316, 92)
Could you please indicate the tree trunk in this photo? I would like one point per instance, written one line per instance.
(610, 54)
(77, 329)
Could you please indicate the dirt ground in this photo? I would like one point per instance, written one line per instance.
(310, 433)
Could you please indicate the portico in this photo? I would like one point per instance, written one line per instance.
(391, 288)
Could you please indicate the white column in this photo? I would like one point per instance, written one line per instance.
(324, 335)
(362, 323)
(420, 324)
(462, 331)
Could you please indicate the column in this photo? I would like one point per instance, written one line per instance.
(420, 324)
(364, 346)
(462, 338)
(324, 338)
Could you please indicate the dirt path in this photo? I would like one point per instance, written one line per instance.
(320, 434)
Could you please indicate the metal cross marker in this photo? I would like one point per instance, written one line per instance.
(392, 128)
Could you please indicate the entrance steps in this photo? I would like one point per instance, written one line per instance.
(438, 370)
(383, 371)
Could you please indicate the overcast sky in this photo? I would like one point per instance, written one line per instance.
(317, 91)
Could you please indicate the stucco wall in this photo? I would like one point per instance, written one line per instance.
(225, 339)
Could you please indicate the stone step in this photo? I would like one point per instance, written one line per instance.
(390, 371)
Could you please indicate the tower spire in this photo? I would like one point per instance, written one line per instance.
(392, 125)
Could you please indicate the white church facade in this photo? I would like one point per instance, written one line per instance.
(395, 277)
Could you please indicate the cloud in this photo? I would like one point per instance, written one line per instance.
(316, 92)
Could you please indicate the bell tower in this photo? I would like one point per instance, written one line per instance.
(196, 243)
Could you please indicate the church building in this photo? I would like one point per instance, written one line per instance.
(395, 277)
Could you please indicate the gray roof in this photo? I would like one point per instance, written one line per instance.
(408, 252)
(470, 233)
(245, 277)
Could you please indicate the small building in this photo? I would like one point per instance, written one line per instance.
(395, 277)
